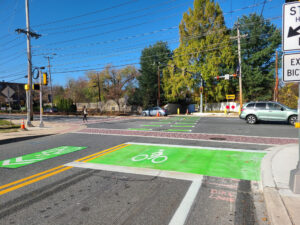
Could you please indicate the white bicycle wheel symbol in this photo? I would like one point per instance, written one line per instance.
(155, 157)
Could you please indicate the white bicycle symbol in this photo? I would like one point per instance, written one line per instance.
(155, 157)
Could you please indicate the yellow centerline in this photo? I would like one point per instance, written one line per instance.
(28, 178)
(34, 180)
(106, 150)
(54, 171)
(105, 153)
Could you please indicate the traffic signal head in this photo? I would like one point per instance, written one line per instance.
(45, 79)
(234, 75)
(218, 77)
(36, 86)
(201, 89)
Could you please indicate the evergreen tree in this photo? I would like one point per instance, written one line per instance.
(152, 57)
(204, 48)
(258, 56)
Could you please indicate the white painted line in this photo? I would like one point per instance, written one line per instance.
(198, 147)
(185, 206)
(176, 138)
(137, 170)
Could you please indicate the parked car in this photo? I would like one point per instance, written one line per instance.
(153, 112)
(50, 110)
(252, 112)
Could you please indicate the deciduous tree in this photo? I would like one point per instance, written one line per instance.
(204, 49)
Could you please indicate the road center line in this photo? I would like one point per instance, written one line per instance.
(34, 180)
(30, 177)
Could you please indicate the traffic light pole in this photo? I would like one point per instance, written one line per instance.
(41, 99)
(240, 67)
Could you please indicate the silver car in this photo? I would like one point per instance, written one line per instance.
(267, 111)
(153, 112)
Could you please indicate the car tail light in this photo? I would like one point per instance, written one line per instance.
(242, 109)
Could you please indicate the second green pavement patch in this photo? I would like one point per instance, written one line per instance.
(210, 162)
(38, 156)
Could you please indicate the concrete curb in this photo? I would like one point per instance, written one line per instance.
(277, 212)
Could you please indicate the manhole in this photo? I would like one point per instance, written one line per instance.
(217, 139)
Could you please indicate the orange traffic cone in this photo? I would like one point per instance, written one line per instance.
(23, 125)
(157, 114)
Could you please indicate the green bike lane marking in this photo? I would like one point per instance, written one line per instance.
(150, 125)
(139, 129)
(227, 163)
(38, 156)
(182, 126)
(177, 130)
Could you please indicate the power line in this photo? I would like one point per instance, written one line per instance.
(117, 22)
(109, 18)
(86, 14)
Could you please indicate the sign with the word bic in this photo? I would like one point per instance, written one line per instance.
(291, 26)
(291, 67)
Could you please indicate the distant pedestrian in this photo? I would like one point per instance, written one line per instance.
(84, 114)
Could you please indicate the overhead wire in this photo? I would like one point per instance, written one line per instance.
(86, 14)
(109, 18)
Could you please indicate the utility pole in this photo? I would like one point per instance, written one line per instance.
(240, 67)
(238, 37)
(29, 91)
(276, 79)
(99, 93)
(50, 80)
(158, 86)
(201, 95)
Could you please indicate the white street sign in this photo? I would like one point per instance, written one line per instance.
(291, 26)
(291, 67)
(226, 76)
(8, 91)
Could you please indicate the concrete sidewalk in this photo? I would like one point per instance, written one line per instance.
(283, 206)
(50, 128)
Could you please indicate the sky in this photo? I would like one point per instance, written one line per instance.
(81, 36)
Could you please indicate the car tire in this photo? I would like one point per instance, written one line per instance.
(144, 114)
(251, 119)
(292, 120)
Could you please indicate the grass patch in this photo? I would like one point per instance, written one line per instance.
(7, 126)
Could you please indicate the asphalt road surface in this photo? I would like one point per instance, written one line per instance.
(131, 171)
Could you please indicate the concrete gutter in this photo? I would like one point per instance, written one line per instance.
(279, 212)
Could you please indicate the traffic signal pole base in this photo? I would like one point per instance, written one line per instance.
(29, 124)
(41, 124)
(295, 181)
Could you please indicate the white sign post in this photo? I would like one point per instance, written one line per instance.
(291, 67)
